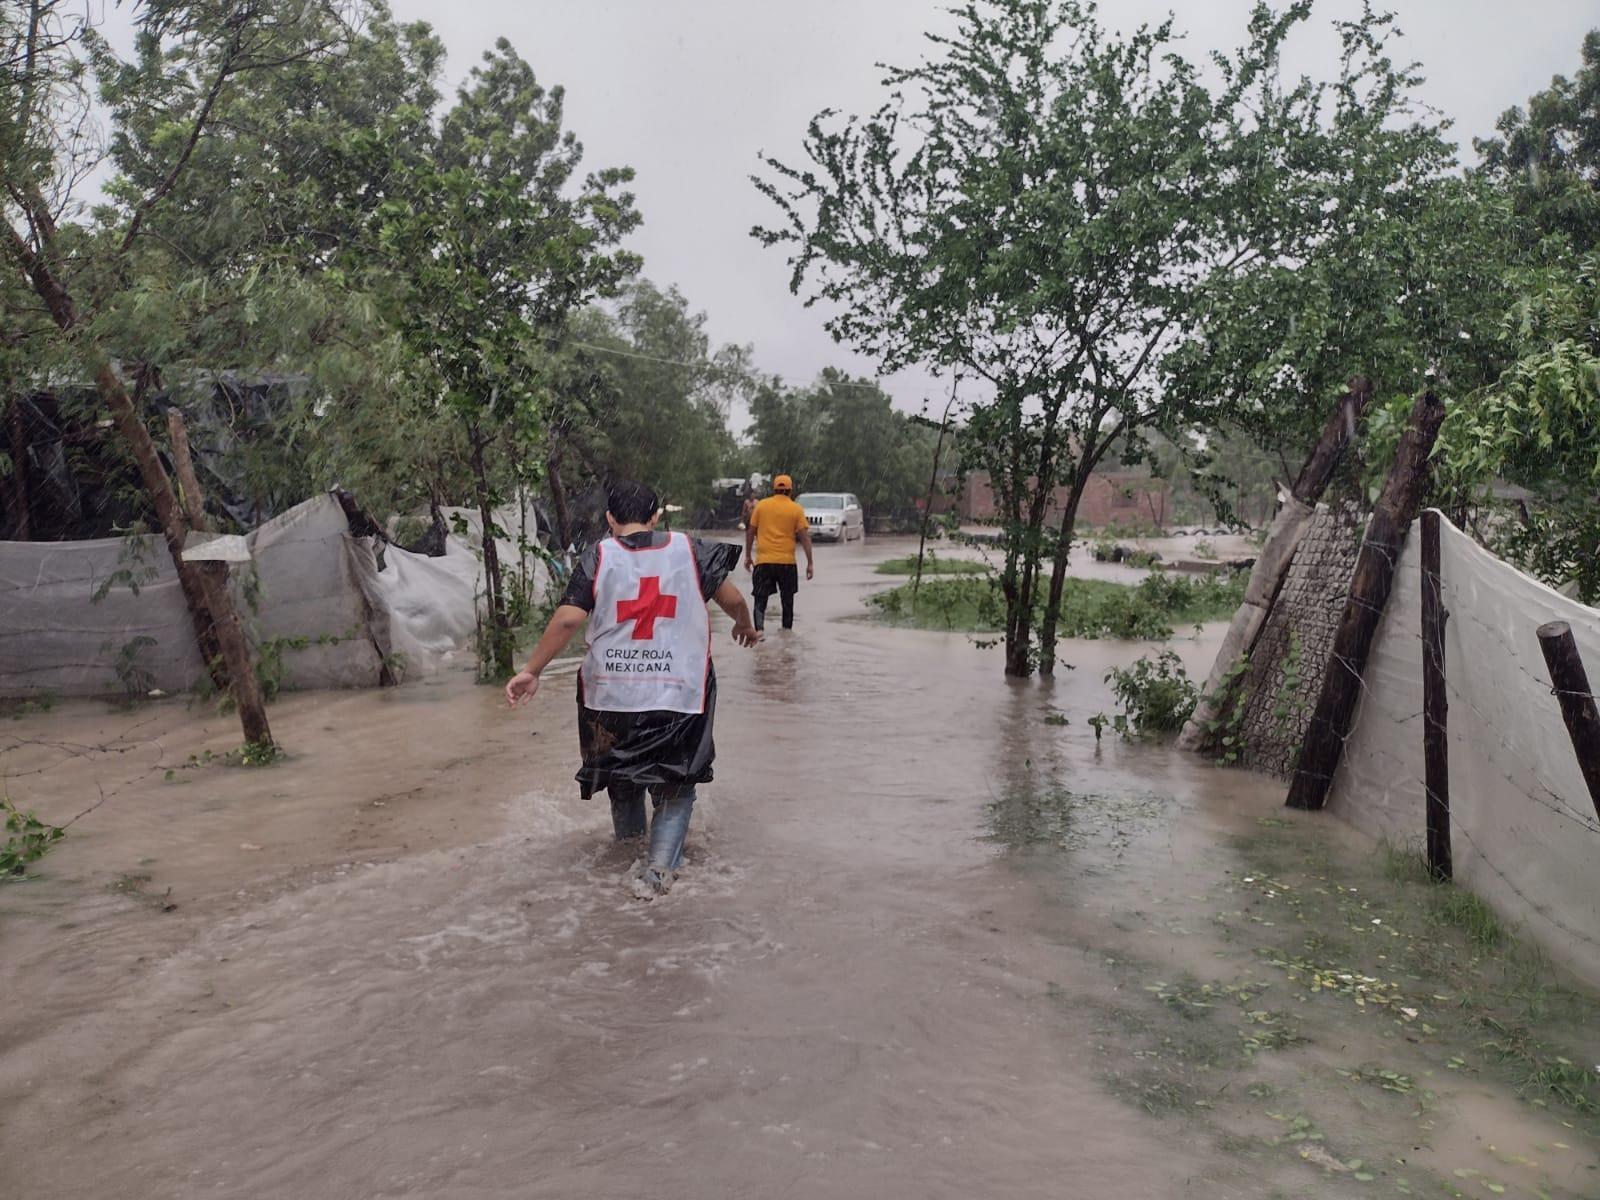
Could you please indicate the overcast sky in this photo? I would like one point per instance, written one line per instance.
(689, 92)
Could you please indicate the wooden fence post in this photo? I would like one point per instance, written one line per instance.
(1370, 584)
(1571, 683)
(1435, 704)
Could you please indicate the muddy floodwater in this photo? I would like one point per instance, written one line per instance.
(933, 940)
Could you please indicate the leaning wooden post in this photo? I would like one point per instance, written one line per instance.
(1571, 683)
(1370, 585)
(1435, 704)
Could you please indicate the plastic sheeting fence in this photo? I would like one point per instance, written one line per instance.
(1524, 832)
(107, 616)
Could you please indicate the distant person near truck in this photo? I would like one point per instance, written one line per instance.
(775, 526)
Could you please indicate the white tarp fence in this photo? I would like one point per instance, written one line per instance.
(1524, 832)
(319, 601)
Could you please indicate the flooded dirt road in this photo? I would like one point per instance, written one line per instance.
(930, 942)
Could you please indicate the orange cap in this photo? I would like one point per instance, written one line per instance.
(783, 484)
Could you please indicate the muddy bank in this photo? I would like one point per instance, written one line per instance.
(911, 955)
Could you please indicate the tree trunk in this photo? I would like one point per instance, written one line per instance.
(558, 502)
(21, 525)
(216, 601)
(933, 480)
(210, 607)
(1019, 616)
(1058, 569)
(499, 635)
(194, 505)
(1370, 584)
(927, 507)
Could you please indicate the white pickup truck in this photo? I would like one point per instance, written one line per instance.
(833, 516)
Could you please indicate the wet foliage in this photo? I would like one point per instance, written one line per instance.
(1090, 608)
(1156, 695)
(27, 839)
(933, 564)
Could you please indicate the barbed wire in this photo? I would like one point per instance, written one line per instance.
(1504, 754)
(1544, 910)
(1403, 771)
(1561, 806)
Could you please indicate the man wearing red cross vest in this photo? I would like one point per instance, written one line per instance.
(647, 692)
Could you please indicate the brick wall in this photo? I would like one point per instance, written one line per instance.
(1113, 499)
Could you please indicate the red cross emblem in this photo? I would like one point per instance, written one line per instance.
(645, 608)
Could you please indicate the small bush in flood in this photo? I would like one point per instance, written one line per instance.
(1156, 696)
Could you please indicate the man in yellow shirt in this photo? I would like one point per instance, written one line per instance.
(769, 537)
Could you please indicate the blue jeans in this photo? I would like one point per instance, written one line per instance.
(673, 803)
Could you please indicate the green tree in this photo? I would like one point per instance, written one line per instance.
(101, 286)
(1547, 155)
(784, 429)
(1404, 280)
(662, 415)
(1536, 428)
(257, 257)
(1050, 208)
(843, 434)
(486, 248)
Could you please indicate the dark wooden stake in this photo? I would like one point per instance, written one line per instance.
(1370, 585)
(1571, 683)
(1337, 434)
(933, 479)
(1435, 704)
(189, 574)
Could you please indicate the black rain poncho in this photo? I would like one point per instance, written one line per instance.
(644, 748)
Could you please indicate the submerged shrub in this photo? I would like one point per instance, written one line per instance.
(1155, 696)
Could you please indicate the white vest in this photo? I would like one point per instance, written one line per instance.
(649, 631)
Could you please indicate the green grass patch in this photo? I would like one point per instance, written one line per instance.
(932, 564)
(1445, 904)
(1090, 608)
(1427, 962)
